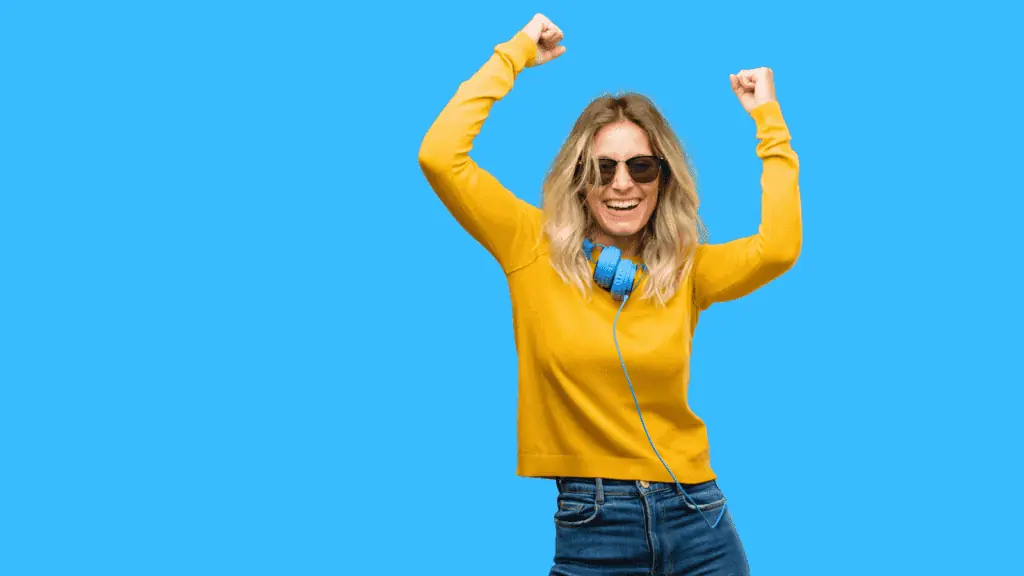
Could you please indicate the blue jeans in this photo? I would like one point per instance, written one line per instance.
(624, 528)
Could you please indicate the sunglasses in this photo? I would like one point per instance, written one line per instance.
(642, 169)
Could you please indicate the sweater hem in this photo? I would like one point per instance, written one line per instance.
(651, 470)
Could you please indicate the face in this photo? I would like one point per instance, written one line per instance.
(623, 206)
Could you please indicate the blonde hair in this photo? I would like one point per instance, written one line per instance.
(671, 234)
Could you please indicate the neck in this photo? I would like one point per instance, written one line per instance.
(629, 245)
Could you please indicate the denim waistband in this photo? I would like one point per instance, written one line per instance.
(603, 487)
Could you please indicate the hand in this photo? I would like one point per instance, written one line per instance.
(547, 36)
(753, 87)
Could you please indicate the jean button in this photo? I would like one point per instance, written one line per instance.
(645, 483)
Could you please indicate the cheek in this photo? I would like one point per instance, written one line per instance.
(652, 203)
(650, 190)
(651, 193)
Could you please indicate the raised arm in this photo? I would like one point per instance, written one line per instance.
(728, 271)
(504, 224)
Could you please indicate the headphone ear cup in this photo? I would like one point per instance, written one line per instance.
(622, 284)
(607, 266)
(611, 271)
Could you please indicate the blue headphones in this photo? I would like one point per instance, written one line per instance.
(613, 272)
(616, 274)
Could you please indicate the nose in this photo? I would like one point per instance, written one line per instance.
(622, 180)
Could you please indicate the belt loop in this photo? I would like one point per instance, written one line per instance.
(600, 492)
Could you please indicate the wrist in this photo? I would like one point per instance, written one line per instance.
(765, 108)
(532, 31)
(521, 49)
(767, 115)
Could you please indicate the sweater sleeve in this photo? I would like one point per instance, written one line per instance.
(728, 271)
(504, 224)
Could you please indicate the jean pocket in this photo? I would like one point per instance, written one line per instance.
(706, 496)
(576, 509)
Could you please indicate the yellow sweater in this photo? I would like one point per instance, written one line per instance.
(577, 415)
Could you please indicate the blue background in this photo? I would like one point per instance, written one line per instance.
(240, 335)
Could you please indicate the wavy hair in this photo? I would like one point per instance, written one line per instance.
(674, 229)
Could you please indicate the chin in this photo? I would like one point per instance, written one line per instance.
(624, 227)
(621, 230)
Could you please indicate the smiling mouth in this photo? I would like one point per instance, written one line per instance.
(622, 205)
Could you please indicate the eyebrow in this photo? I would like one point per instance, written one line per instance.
(604, 157)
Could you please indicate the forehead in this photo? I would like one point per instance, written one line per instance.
(621, 140)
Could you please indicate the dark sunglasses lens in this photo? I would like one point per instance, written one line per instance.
(643, 170)
(607, 169)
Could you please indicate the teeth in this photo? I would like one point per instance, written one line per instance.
(622, 204)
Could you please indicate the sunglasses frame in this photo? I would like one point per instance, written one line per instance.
(663, 169)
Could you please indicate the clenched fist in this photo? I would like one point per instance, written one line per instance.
(753, 87)
(547, 36)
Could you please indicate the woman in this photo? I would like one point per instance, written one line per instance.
(602, 384)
